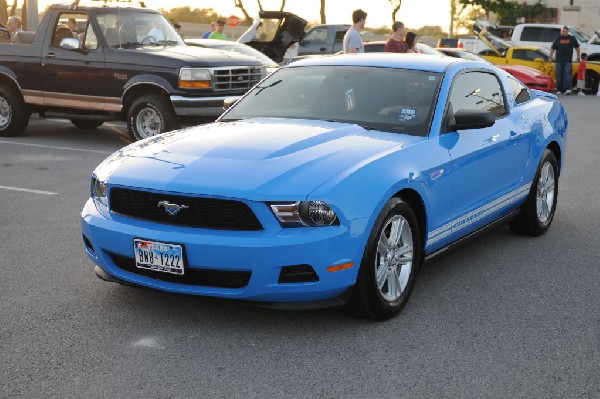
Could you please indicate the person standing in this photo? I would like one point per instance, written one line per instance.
(177, 27)
(396, 43)
(411, 42)
(353, 42)
(564, 45)
(213, 28)
(218, 34)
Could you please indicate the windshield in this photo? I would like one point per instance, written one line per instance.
(122, 28)
(579, 35)
(385, 99)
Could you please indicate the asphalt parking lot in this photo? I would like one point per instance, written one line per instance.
(504, 317)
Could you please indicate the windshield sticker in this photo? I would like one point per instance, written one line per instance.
(407, 114)
(350, 102)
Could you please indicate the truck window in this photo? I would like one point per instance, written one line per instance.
(550, 34)
(316, 36)
(532, 34)
(69, 25)
(90, 39)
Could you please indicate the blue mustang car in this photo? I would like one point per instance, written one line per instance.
(330, 183)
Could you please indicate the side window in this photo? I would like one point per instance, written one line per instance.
(316, 36)
(527, 55)
(69, 26)
(532, 34)
(477, 90)
(519, 91)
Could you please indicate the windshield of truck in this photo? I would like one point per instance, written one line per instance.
(134, 28)
(579, 35)
(384, 99)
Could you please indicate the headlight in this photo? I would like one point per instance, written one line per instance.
(304, 213)
(99, 195)
(195, 78)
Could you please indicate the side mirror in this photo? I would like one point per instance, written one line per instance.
(69, 43)
(228, 102)
(465, 119)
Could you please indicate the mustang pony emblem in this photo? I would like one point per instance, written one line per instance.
(171, 209)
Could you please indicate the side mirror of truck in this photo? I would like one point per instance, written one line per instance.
(69, 44)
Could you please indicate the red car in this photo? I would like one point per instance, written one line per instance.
(531, 77)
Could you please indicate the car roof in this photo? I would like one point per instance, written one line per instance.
(425, 62)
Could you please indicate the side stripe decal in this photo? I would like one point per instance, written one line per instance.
(478, 214)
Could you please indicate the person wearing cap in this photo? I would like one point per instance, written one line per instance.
(564, 45)
(219, 34)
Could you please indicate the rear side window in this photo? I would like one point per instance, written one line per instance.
(550, 34)
(519, 91)
(478, 90)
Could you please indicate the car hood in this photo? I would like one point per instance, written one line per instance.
(274, 42)
(255, 159)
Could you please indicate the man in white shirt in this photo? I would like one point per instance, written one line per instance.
(14, 25)
(353, 42)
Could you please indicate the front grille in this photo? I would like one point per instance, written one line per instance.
(236, 78)
(191, 276)
(209, 213)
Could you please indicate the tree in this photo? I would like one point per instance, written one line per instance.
(395, 8)
(3, 11)
(282, 5)
(508, 11)
(323, 19)
(462, 17)
(239, 4)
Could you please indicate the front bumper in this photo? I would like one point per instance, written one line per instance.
(200, 106)
(263, 253)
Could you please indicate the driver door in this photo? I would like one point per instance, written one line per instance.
(73, 77)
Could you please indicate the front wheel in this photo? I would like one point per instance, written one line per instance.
(151, 115)
(14, 113)
(592, 79)
(389, 265)
(538, 211)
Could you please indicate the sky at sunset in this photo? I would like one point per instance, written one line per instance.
(414, 13)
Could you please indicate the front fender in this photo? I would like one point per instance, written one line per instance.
(147, 79)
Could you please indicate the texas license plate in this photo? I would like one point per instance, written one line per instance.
(158, 256)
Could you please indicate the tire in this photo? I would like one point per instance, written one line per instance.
(14, 113)
(150, 115)
(538, 211)
(86, 123)
(389, 265)
(591, 82)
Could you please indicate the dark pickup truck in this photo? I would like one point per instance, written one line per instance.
(123, 63)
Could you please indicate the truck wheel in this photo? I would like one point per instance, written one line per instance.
(86, 123)
(151, 115)
(14, 113)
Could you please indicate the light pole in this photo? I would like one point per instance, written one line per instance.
(32, 14)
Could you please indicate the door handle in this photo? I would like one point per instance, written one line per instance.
(514, 136)
(49, 55)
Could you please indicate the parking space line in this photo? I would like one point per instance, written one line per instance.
(54, 147)
(28, 190)
(122, 135)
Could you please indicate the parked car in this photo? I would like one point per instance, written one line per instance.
(323, 39)
(330, 183)
(533, 78)
(225, 45)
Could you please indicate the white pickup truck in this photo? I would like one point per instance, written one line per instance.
(544, 34)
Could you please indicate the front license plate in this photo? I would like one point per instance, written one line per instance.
(159, 256)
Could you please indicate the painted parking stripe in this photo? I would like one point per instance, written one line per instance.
(54, 147)
(28, 190)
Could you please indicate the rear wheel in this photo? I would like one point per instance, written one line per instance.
(14, 113)
(538, 211)
(150, 115)
(389, 265)
(591, 81)
(86, 123)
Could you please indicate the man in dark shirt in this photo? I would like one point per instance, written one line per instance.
(564, 45)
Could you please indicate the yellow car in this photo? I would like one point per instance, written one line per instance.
(502, 52)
